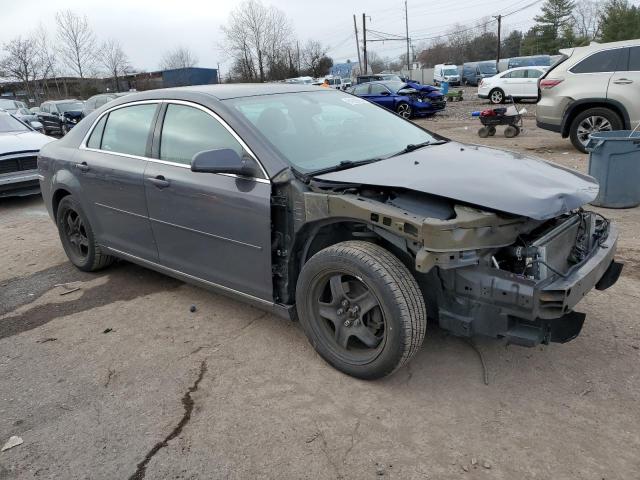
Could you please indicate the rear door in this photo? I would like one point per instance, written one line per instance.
(513, 83)
(215, 227)
(624, 86)
(530, 87)
(110, 168)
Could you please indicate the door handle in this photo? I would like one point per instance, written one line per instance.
(623, 81)
(83, 167)
(159, 181)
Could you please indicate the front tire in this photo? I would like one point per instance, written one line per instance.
(77, 237)
(404, 110)
(496, 96)
(591, 121)
(361, 309)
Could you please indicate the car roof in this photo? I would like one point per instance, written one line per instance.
(534, 67)
(62, 101)
(226, 91)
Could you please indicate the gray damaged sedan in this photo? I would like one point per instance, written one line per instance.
(321, 206)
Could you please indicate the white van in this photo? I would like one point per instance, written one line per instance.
(446, 72)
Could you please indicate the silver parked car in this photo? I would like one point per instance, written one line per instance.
(19, 147)
(321, 206)
(591, 89)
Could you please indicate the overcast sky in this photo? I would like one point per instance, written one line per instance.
(147, 28)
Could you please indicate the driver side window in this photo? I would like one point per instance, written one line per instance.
(378, 89)
(189, 130)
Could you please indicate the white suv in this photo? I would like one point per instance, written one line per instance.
(520, 82)
(592, 89)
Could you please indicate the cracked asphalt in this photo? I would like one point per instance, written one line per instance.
(110, 376)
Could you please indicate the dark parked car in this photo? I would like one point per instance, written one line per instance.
(60, 116)
(317, 205)
(19, 145)
(402, 98)
(99, 100)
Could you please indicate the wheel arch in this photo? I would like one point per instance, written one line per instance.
(579, 106)
(320, 234)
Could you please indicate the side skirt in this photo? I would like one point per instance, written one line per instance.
(284, 311)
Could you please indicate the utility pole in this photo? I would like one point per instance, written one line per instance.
(364, 43)
(406, 21)
(219, 74)
(355, 27)
(499, 17)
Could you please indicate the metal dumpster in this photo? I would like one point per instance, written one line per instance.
(614, 161)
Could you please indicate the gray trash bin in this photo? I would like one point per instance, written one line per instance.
(615, 162)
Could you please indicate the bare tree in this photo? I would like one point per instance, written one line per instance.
(114, 60)
(587, 15)
(312, 54)
(258, 38)
(48, 59)
(179, 57)
(76, 42)
(22, 62)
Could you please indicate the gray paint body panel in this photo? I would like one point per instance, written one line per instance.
(213, 227)
(486, 177)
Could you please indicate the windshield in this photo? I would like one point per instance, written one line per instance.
(10, 124)
(70, 107)
(489, 68)
(450, 71)
(318, 130)
(391, 77)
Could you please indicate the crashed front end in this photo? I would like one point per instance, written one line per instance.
(424, 103)
(491, 273)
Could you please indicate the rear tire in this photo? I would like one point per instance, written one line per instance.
(77, 237)
(511, 131)
(483, 132)
(361, 309)
(591, 121)
(492, 131)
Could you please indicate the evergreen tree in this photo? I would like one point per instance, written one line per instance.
(552, 24)
(511, 44)
(621, 21)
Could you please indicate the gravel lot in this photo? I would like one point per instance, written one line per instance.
(118, 379)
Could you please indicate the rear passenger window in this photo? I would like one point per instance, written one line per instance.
(516, 74)
(534, 73)
(188, 130)
(605, 61)
(127, 129)
(96, 135)
(634, 59)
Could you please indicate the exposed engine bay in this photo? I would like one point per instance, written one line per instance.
(481, 271)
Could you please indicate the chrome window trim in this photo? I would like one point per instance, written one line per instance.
(83, 144)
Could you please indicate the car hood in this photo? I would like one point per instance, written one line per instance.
(22, 141)
(482, 176)
(423, 88)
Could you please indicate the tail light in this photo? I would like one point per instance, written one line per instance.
(481, 82)
(548, 83)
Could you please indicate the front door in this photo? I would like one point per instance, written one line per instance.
(624, 86)
(381, 95)
(110, 169)
(49, 118)
(214, 227)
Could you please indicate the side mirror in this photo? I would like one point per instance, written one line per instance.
(384, 94)
(224, 160)
(36, 125)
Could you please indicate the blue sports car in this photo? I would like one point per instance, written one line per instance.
(403, 98)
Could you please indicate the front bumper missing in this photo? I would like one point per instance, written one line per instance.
(487, 301)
